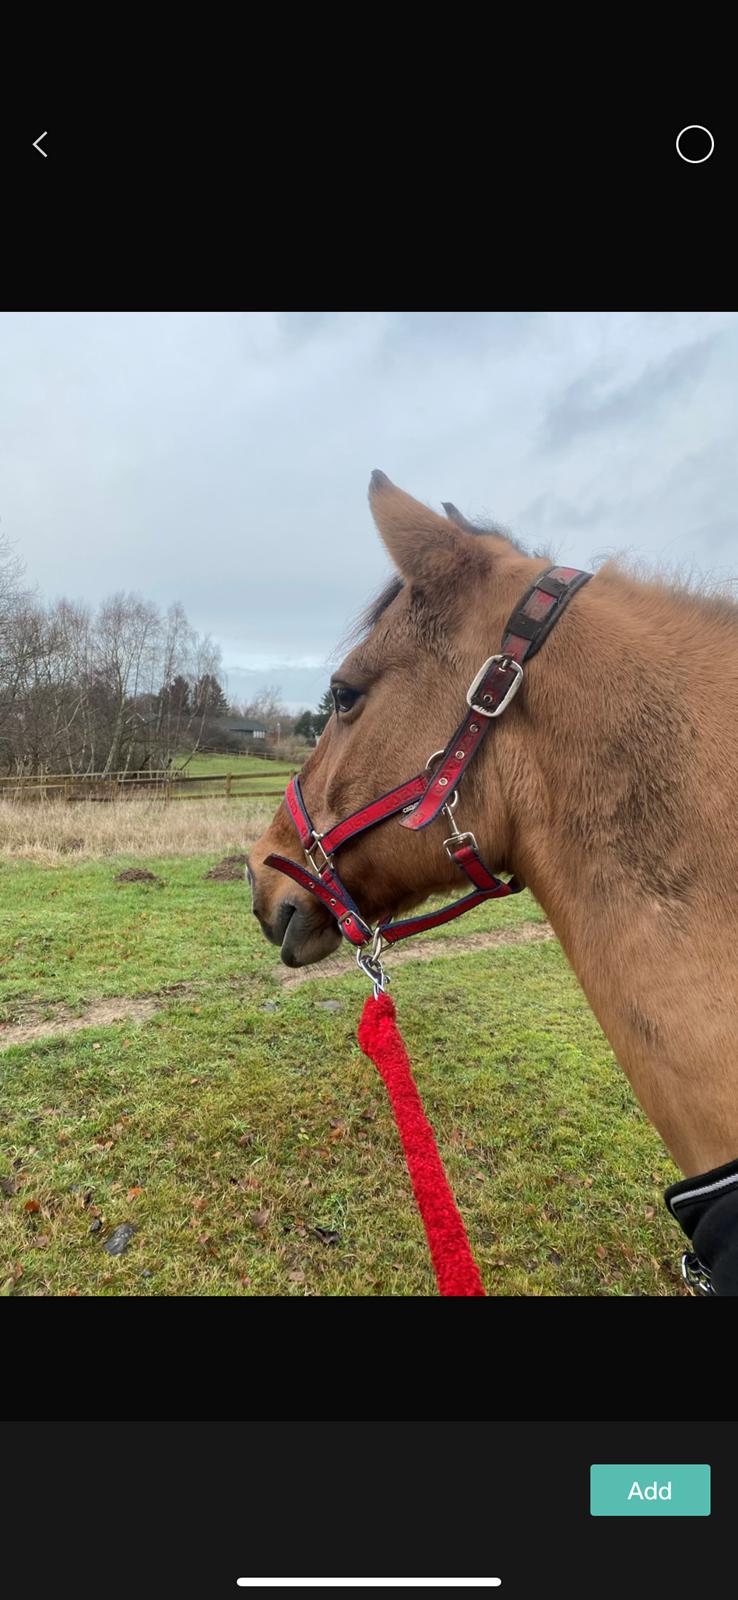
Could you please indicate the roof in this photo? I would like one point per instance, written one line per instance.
(241, 725)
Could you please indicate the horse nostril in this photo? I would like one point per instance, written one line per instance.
(276, 930)
(285, 912)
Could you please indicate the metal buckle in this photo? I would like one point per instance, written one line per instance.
(481, 675)
(453, 800)
(456, 839)
(696, 1276)
(316, 845)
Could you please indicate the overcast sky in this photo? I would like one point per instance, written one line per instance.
(223, 459)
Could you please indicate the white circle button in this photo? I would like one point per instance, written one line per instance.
(695, 127)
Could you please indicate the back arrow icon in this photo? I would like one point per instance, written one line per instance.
(37, 142)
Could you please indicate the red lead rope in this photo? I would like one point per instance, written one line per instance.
(379, 1037)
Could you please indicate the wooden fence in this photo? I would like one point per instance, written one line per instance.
(166, 785)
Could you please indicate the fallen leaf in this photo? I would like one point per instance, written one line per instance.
(600, 1251)
(134, 1193)
(32, 1205)
(260, 1218)
(8, 1186)
(296, 1277)
(40, 1243)
(649, 1212)
(327, 1235)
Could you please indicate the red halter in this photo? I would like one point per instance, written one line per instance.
(421, 798)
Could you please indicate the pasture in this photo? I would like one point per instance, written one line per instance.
(161, 1069)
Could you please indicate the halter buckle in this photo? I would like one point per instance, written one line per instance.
(455, 839)
(483, 711)
(310, 851)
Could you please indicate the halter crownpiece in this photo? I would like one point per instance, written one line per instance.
(422, 798)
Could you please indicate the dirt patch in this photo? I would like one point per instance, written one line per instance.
(432, 950)
(229, 870)
(136, 875)
(99, 1015)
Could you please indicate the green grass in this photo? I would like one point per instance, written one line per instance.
(228, 1134)
(272, 773)
(200, 766)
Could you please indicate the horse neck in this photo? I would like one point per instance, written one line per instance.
(617, 774)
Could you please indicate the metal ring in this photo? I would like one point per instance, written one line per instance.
(448, 805)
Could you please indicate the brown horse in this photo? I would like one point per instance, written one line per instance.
(609, 787)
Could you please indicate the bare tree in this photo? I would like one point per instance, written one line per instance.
(128, 643)
(85, 692)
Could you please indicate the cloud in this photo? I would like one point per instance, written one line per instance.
(594, 401)
(222, 459)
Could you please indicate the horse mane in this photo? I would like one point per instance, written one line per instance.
(698, 597)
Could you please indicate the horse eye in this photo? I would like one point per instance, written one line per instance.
(344, 699)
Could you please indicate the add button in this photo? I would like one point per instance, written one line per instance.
(649, 1491)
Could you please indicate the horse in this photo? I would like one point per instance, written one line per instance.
(607, 788)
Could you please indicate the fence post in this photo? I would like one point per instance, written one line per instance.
(228, 784)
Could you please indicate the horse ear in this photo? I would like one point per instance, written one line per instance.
(421, 544)
(454, 515)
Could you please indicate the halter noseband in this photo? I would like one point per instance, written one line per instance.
(421, 799)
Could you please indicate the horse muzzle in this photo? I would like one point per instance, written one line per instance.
(303, 931)
(308, 935)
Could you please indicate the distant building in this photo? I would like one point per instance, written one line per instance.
(240, 730)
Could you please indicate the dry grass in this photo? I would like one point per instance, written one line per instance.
(49, 832)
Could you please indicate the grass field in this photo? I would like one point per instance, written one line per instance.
(206, 766)
(200, 766)
(229, 1117)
